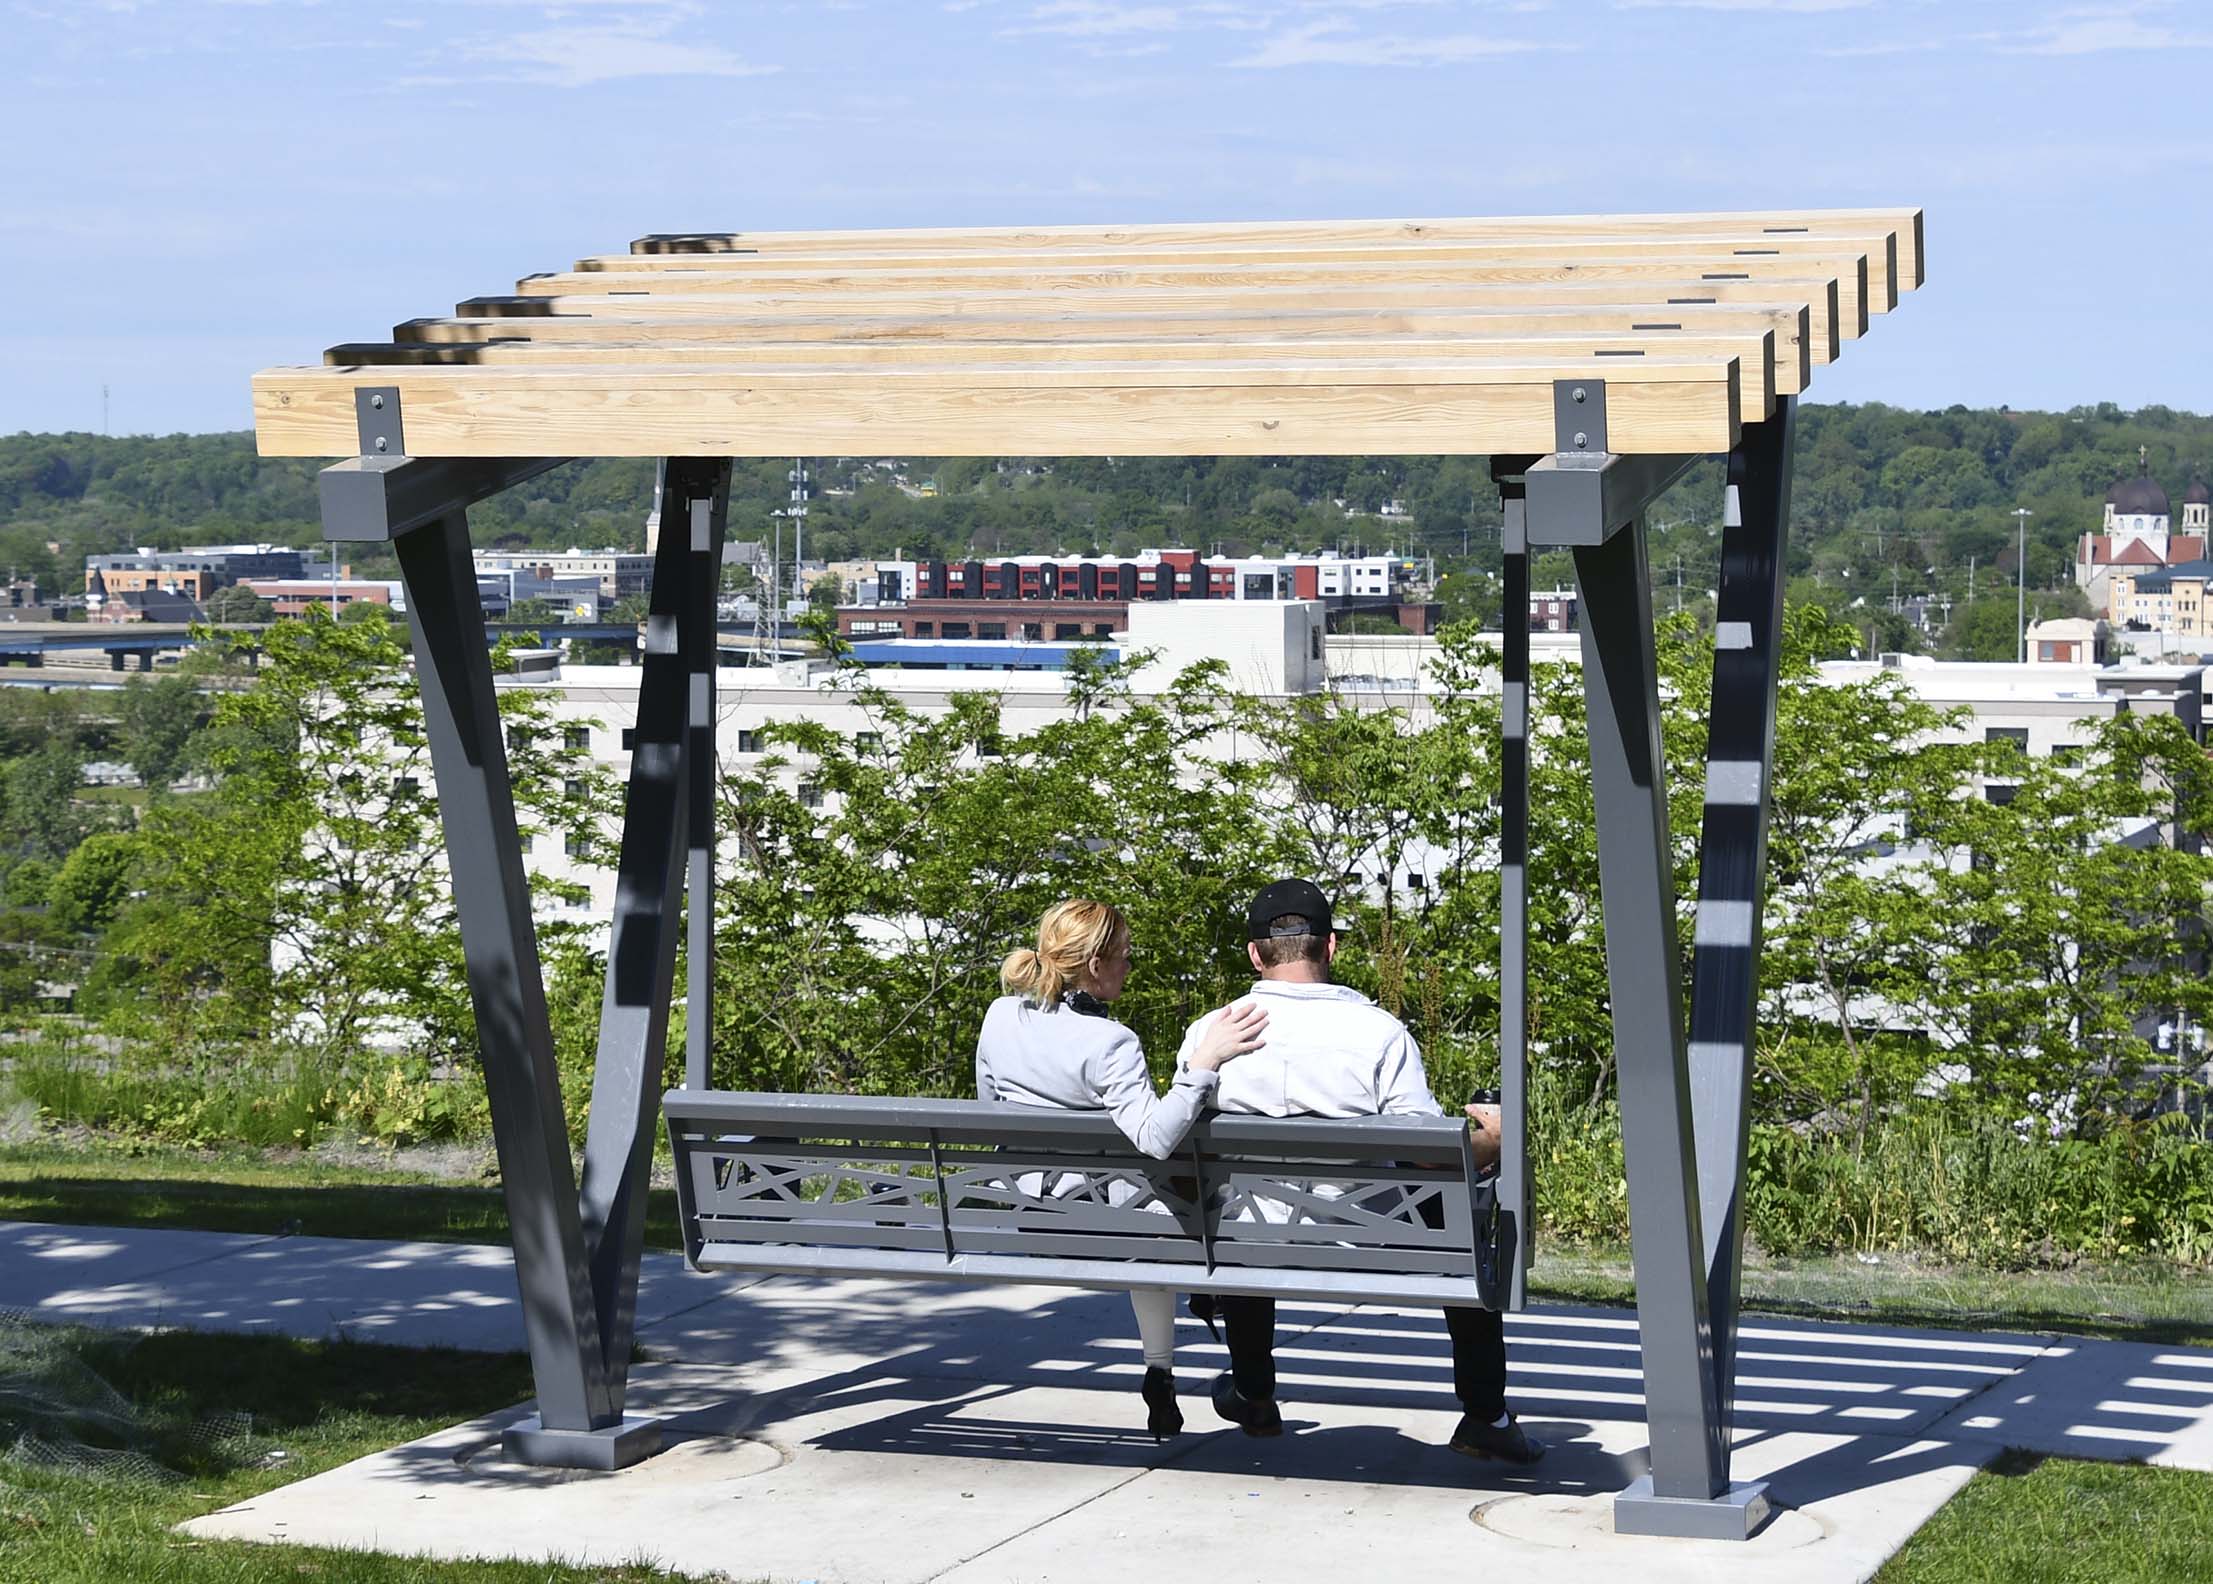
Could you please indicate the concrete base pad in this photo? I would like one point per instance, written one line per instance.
(615, 1447)
(1736, 1514)
(802, 1472)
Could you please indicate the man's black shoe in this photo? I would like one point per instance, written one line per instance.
(1261, 1418)
(1477, 1439)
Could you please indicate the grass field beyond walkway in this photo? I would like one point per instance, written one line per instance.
(2053, 1521)
(215, 1420)
(273, 1194)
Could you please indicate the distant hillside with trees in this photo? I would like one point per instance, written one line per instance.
(1888, 504)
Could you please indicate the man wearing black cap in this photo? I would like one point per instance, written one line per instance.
(1332, 1052)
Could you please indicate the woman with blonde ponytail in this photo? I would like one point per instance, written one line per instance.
(1050, 1041)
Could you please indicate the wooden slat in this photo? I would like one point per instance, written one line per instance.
(1654, 405)
(1788, 325)
(1880, 245)
(1824, 323)
(1905, 222)
(1759, 375)
(1049, 280)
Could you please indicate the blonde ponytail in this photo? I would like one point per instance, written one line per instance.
(1069, 936)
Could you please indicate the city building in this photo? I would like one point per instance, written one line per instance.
(574, 598)
(2139, 536)
(619, 573)
(138, 604)
(296, 596)
(2167, 601)
(195, 572)
(2071, 640)
(1553, 611)
(1055, 598)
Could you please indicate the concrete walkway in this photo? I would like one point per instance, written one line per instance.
(851, 1431)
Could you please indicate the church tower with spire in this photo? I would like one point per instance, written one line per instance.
(2137, 509)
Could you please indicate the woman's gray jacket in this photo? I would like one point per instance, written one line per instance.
(1057, 1056)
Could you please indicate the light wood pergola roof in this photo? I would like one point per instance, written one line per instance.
(1269, 339)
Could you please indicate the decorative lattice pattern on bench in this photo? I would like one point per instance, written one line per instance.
(978, 1191)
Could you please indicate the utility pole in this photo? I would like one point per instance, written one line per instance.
(798, 533)
(2021, 516)
(1970, 580)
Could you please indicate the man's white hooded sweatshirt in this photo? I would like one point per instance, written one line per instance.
(1330, 1052)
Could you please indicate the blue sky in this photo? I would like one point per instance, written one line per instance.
(197, 189)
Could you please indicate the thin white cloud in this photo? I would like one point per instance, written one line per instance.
(2097, 35)
(576, 57)
(1799, 7)
(1103, 19)
(1335, 42)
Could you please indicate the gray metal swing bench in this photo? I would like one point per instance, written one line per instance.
(1385, 1210)
(1592, 359)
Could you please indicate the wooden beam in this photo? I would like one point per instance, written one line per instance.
(1786, 324)
(1051, 279)
(1759, 378)
(1822, 255)
(1880, 246)
(1668, 406)
(1904, 223)
(1820, 296)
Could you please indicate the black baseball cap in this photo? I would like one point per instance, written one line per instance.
(1302, 899)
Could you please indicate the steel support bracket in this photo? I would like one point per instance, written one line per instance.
(376, 417)
(1579, 417)
(375, 499)
(1583, 494)
(1586, 497)
(1736, 1514)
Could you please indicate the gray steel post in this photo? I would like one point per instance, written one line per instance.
(1514, 1194)
(649, 878)
(1687, 1491)
(1732, 862)
(492, 898)
(704, 517)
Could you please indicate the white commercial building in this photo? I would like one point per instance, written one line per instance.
(617, 572)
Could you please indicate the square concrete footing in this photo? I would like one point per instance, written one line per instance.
(1733, 1515)
(613, 1447)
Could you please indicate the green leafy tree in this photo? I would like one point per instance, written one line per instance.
(1851, 922)
(234, 602)
(1986, 630)
(2067, 909)
(868, 910)
(41, 814)
(305, 899)
(93, 883)
(158, 717)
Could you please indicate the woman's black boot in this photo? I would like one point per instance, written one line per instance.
(1162, 1417)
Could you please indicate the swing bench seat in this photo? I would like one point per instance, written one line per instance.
(1383, 1210)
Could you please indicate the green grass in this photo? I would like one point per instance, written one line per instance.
(261, 1193)
(320, 1403)
(2141, 1300)
(2032, 1520)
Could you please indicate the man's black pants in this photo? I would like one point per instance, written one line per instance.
(1478, 1352)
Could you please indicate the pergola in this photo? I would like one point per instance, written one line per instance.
(1591, 358)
